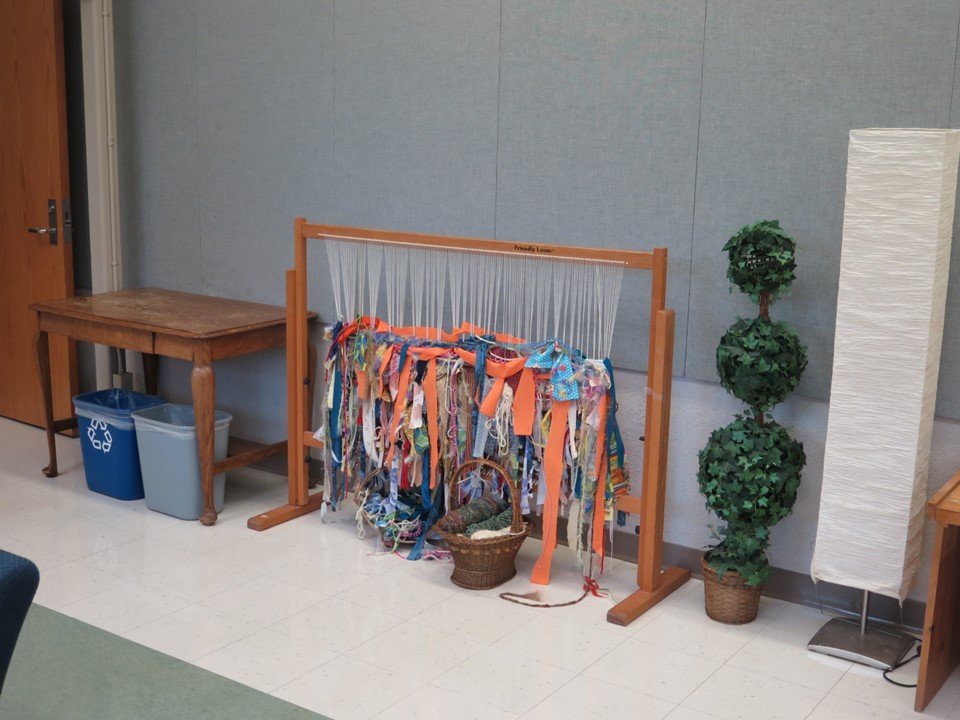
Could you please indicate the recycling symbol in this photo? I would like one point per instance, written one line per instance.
(100, 437)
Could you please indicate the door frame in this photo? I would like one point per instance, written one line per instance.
(100, 121)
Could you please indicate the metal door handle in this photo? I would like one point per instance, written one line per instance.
(51, 229)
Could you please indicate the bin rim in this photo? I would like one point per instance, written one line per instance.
(85, 406)
(142, 418)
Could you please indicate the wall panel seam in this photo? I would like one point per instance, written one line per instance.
(696, 174)
(199, 155)
(953, 83)
(496, 160)
(335, 199)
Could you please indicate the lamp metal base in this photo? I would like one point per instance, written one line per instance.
(877, 648)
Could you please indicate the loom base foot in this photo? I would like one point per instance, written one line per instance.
(281, 514)
(632, 607)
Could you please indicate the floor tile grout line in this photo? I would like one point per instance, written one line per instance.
(64, 610)
(426, 683)
(548, 696)
(869, 703)
(819, 703)
(328, 662)
(247, 637)
(412, 692)
(700, 685)
(61, 609)
(137, 627)
(522, 657)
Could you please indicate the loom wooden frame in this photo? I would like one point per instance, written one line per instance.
(655, 582)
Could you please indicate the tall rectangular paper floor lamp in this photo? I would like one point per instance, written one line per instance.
(897, 230)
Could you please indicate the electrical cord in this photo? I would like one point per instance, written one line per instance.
(900, 665)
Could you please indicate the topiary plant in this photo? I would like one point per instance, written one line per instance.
(762, 261)
(760, 361)
(750, 469)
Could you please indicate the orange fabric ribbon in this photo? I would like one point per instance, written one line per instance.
(553, 474)
(500, 372)
(524, 403)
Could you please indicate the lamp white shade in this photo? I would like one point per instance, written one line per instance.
(897, 230)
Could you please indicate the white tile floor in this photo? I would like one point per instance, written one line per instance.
(306, 612)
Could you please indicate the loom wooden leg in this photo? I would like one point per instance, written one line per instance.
(635, 605)
(203, 383)
(42, 350)
(311, 391)
(151, 373)
(299, 500)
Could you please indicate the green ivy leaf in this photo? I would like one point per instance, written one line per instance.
(762, 259)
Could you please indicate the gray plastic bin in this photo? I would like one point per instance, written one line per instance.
(169, 462)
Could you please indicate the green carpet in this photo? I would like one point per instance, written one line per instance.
(63, 668)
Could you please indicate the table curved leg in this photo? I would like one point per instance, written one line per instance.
(203, 384)
(42, 349)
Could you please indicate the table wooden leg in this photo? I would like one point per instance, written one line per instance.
(42, 349)
(940, 653)
(203, 384)
(151, 372)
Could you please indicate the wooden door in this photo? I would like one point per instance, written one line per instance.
(34, 265)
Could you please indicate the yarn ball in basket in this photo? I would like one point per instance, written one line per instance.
(497, 522)
(475, 511)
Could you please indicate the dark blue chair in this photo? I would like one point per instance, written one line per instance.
(18, 582)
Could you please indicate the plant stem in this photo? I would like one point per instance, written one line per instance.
(765, 305)
(758, 412)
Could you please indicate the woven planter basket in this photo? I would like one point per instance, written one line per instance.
(729, 599)
(484, 564)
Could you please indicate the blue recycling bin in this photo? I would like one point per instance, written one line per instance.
(108, 441)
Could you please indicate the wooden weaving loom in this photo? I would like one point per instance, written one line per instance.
(654, 581)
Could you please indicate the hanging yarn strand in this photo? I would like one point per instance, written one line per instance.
(455, 269)
(374, 262)
(336, 274)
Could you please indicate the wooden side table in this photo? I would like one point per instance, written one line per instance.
(155, 322)
(940, 652)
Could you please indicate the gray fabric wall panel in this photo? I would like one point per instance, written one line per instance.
(416, 115)
(570, 122)
(783, 84)
(252, 388)
(266, 133)
(266, 138)
(156, 59)
(598, 137)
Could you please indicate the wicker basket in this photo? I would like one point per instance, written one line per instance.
(484, 564)
(729, 599)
